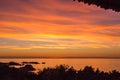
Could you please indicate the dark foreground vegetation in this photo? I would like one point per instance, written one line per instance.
(106, 4)
(62, 72)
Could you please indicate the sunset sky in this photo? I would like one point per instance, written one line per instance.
(57, 28)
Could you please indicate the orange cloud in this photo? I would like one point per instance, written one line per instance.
(67, 25)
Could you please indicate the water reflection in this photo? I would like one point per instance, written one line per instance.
(102, 64)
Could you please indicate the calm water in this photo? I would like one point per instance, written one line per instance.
(102, 64)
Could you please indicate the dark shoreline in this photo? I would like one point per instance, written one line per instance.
(61, 72)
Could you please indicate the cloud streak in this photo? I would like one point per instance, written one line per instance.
(56, 25)
(13, 29)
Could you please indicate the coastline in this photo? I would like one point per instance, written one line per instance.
(60, 72)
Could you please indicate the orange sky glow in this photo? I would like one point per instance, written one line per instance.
(57, 28)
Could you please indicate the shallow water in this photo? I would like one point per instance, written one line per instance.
(102, 64)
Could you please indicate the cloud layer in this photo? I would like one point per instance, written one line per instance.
(55, 26)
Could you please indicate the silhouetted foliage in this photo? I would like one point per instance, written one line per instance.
(61, 72)
(106, 4)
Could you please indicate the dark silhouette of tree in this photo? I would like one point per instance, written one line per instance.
(106, 4)
(114, 75)
(61, 72)
(86, 74)
(71, 74)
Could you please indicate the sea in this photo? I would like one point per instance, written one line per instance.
(77, 63)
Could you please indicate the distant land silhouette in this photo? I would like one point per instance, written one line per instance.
(106, 4)
(61, 72)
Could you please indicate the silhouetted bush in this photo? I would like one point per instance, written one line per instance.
(61, 72)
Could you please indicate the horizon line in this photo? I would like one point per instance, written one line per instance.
(61, 57)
